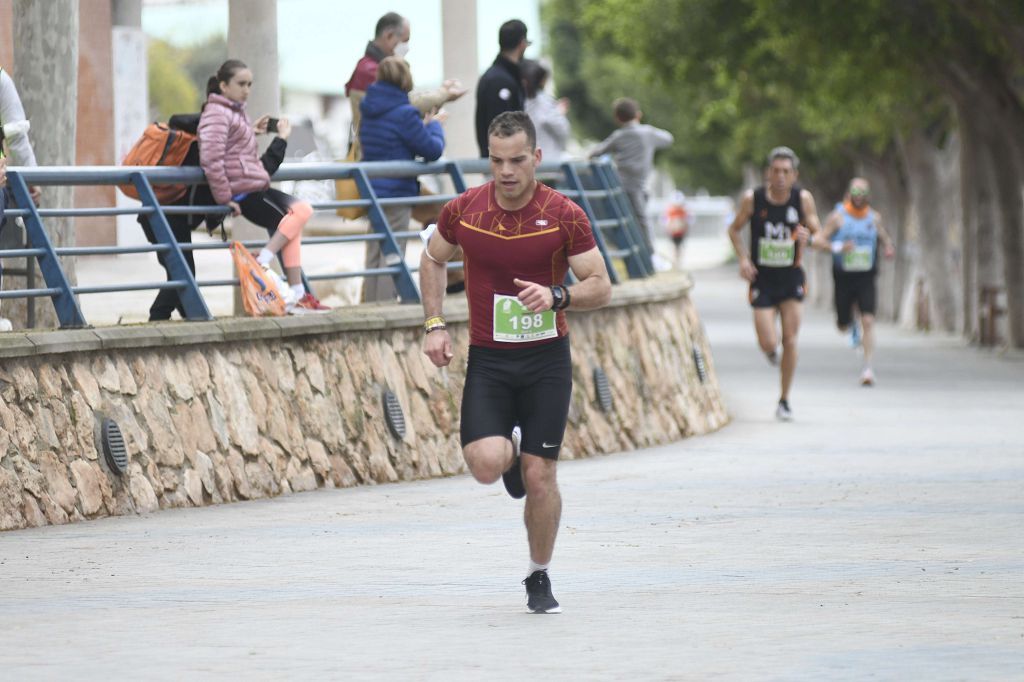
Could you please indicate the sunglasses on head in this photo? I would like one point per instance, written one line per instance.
(858, 192)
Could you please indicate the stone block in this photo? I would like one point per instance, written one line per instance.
(248, 328)
(65, 341)
(16, 345)
(130, 336)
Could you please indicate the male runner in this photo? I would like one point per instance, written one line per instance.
(782, 218)
(852, 232)
(519, 238)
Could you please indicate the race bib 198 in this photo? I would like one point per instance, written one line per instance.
(515, 323)
(858, 260)
(776, 253)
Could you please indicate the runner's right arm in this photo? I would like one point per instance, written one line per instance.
(823, 240)
(433, 278)
(746, 210)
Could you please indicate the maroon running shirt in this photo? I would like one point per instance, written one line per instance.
(532, 244)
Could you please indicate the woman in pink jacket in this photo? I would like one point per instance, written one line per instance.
(237, 178)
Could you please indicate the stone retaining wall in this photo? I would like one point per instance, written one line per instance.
(242, 408)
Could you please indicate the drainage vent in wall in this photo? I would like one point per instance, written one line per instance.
(114, 449)
(698, 359)
(393, 414)
(604, 392)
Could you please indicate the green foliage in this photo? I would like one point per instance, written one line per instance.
(834, 80)
(170, 89)
(177, 76)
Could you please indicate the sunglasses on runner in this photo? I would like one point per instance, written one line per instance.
(858, 192)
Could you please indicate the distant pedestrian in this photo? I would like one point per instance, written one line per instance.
(394, 130)
(677, 225)
(632, 148)
(782, 218)
(549, 115)
(500, 88)
(852, 233)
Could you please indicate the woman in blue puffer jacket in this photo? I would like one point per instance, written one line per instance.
(392, 129)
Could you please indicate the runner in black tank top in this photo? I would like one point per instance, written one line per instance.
(782, 218)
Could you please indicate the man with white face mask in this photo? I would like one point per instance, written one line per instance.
(391, 38)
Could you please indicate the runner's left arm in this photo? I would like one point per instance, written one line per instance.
(812, 226)
(883, 235)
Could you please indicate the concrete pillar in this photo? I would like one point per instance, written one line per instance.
(252, 37)
(46, 52)
(131, 97)
(458, 36)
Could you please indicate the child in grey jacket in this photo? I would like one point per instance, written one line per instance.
(632, 148)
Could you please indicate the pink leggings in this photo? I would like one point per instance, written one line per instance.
(277, 211)
(291, 226)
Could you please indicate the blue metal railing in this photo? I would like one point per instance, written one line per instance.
(594, 186)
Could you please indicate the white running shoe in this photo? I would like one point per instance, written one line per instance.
(867, 377)
(287, 295)
(783, 413)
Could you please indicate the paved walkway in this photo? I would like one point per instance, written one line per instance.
(878, 536)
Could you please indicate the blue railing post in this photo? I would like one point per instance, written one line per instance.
(407, 291)
(188, 292)
(64, 303)
(458, 179)
(639, 263)
(572, 178)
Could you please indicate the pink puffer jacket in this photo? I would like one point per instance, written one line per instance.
(227, 150)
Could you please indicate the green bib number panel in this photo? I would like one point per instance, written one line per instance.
(515, 323)
(858, 260)
(776, 253)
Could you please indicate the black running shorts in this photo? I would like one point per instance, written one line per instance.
(850, 288)
(526, 386)
(772, 287)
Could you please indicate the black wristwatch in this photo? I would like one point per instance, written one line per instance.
(559, 297)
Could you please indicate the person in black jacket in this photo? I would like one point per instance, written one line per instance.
(500, 89)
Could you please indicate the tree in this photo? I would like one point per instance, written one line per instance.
(46, 55)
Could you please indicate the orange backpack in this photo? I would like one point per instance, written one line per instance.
(160, 145)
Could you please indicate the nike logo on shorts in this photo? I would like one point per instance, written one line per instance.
(550, 445)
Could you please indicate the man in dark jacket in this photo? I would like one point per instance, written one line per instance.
(500, 89)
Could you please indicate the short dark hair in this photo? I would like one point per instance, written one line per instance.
(625, 109)
(509, 123)
(392, 21)
(510, 34)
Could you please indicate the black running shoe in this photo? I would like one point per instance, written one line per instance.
(538, 594)
(513, 478)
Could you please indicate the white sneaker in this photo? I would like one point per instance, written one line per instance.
(867, 377)
(5, 325)
(659, 263)
(287, 295)
(783, 413)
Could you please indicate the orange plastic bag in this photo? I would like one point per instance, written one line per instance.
(259, 293)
